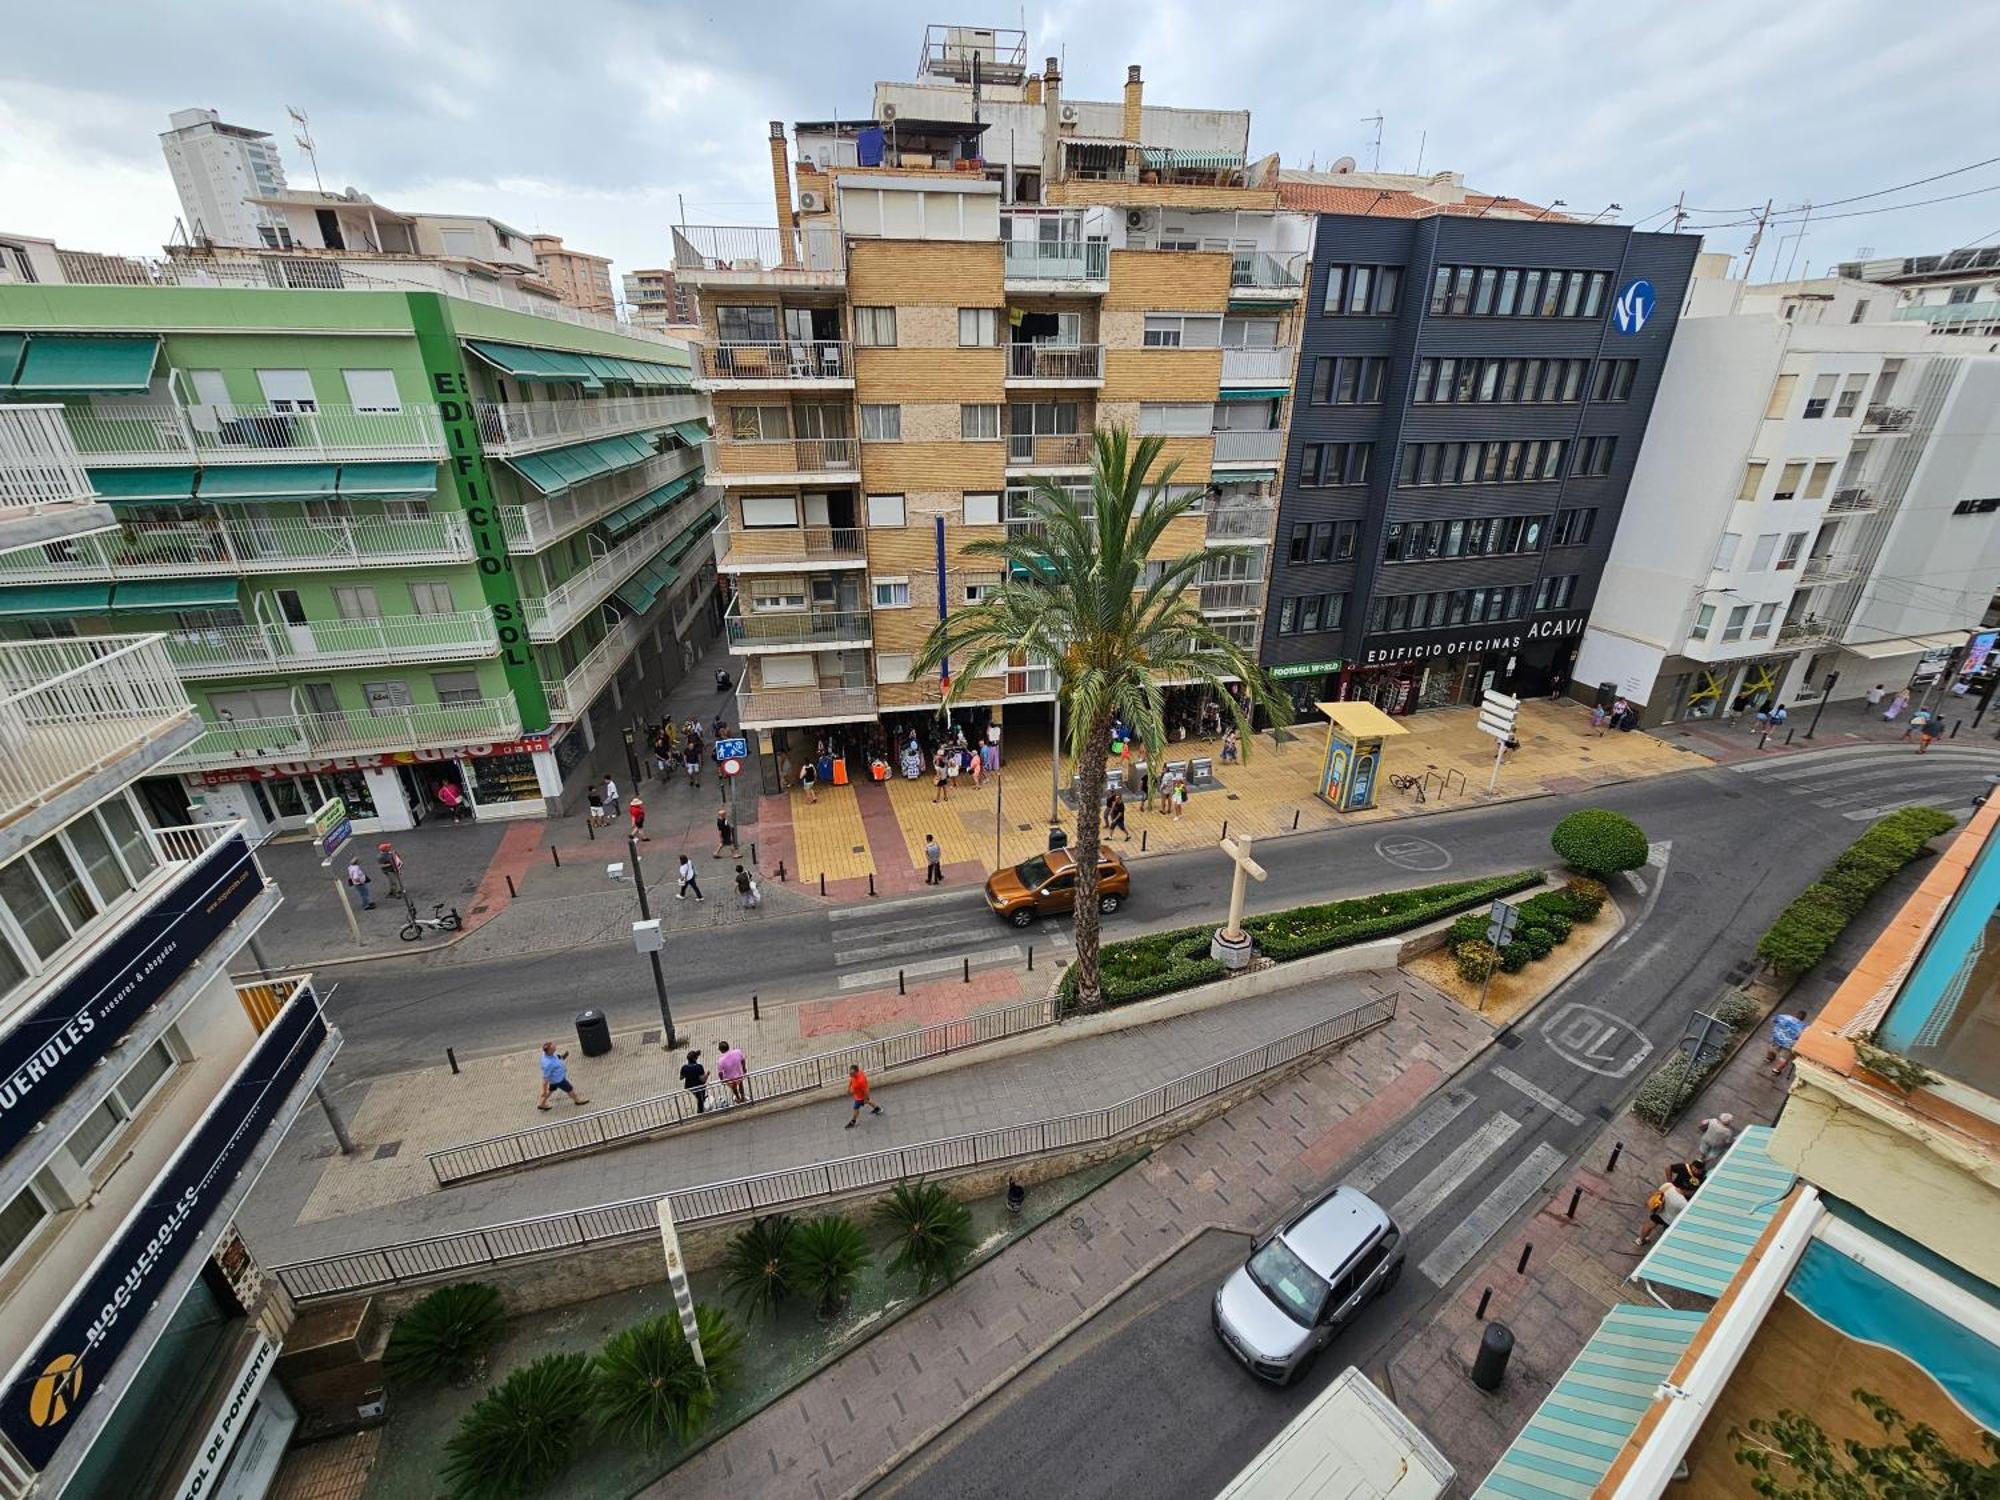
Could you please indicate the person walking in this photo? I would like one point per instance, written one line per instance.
(1145, 787)
(809, 782)
(391, 864)
(1718, 1134)
(730, 1067)
(691, 761)
(613, 807)
(452, 800)
(1662, 1208)
(596, 800)
(694, 1078)
(746, 889)
(636, 810)
(357, 879)
(939, 768)
(555, 1076)
(725, 832)
(688, 882)
(1872, 699)
(1180, 797)
(1785, 1032)
(1114, 815)
(933, 860)
(1926, 736)
(857, 1092)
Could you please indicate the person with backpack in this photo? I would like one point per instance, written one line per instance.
(809, 782)
(1662, 1208)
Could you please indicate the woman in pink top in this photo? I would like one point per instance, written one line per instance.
(730, 1067)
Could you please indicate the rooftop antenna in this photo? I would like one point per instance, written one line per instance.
(304, 138)
(1609, 208)
(1558, 203)
(1376, 120)
(1422, 141)
(1680, 212)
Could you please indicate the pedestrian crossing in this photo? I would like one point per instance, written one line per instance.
(923, 937)
(1864, 782)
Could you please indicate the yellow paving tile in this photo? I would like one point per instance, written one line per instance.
(828, 835)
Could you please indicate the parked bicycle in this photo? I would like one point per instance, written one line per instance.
(440, 920)
(1409, 784)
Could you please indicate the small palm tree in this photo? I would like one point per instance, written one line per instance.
(825, 1260)
(523, 1432)
(443, 1336)
(933, 1232)
(647, 1385)
(756, 1268)
(1077, 595)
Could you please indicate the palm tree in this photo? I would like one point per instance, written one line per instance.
(1077, 595)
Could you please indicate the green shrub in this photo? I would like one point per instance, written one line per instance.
(1470, 928)
(1737, 1010)
(1586, 897)
(1816, 917)
(933, 1232)
(1541, 942)
(825, 1259)
(523, 1433)
(1476, 961)
(1514, 956)
(647, 1387)
(1666, 1092)
(1846, 887)
(1557, 926)
(444, 1336)
(756, 1267)
(1801, 935)
(1599, 842)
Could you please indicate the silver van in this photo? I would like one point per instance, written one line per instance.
(1305, 1281)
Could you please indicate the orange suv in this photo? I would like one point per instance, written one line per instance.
(1045, 886)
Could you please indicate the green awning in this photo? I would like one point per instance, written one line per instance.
(638, 592)
(524, 363)
(559, 468)
(1194, 161)
(1238, 476)
(1703, 1249)
(162, 486)
(58, 363)
(388, 479)
(1254, 393)
(150, 595)
(242, 482)
(11, 347)
(55, 599)
(681, 545)
(693, 433)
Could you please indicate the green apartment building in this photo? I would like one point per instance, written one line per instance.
(395, 539)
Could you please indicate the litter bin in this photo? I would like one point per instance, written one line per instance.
(593, 1033)
(1607, 694)
(1058, 837)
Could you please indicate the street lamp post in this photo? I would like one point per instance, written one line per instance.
(1055, 765)
(1825, 692)
(646, 915)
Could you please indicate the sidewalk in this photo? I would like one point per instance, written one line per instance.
(1846, 722)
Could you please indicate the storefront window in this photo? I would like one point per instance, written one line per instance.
(503, 778)
(570, 751)
(350, 787)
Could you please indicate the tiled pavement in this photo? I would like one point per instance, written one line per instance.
(1239, 1171)
(336, 1469)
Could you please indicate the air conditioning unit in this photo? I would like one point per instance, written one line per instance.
(810, 202)
(1069, 114)
(1135, 218)
(888, 111)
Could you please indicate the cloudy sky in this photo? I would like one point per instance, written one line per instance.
(590, 117)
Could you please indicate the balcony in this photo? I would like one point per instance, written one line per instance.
(255, 650)
(552, 615)
(783, 708)
(808, 363)
(792, 630)
(1806, 632)
(45, 492)
(72, 709)
(765, 461)
(573, 694)
(1887, 419)
(1234, 597)
(1055, 365)
(1239, 446)
(1259, 275)
(483, 721)
(515, 427)
(1829, 568)
(732, 255)
(1953, 317)
(1854, 500)
(787, 549)
(542, 523)
(1240, 522)
(1261, 367)
(242, 543)
(164, 432)
(1065, 450)
(1056, 265)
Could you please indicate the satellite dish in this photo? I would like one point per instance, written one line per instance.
(1345, 164)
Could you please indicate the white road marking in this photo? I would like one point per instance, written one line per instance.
(1415, 1134)
(1449, 1175)
(1835, 765)
(903, 903)
(1456, 1249)
(1861, 814)
(869, 979)
(1595, 1040)
(1540, 1095)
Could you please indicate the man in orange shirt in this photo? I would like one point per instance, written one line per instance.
(857, 1090)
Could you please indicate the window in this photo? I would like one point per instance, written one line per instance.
(892, 593)
(1324, 465)
(893, 666)
(1302, 614)
(982, 510)
(1703, 618)
(372, 390)
(457, 687)
(1789, 479)
(1593, 455)
(1788, 557)
(754, 424)
(979, 423)
(1762, 550)
(770, 510)
(1249, 333)
(776, 596)
(1555, 593)
(1487, 463)
(18, 1222)
(1183, 330)
(1850, 393)
(1614, 380)
(1573, 527)
(1860, 311)
(874, 327)
(885, 510)
(1821, 397)
(976, 593)
(1176, 418)
(1301, 542)
(432, 599)
(1753, 479)
(748, 324)
(1781, 398)
(1885, 383)
(386, 699)
(356, 602)
(1820, 477)
(1354, 291)
(978, 327)
(881, 423)
(1348, 381)
(1478, 536)
(1761, 626)
(1732, 630)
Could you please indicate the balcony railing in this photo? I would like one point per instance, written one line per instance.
(785, 362)
(819, 627)
(786, 455)
(1806, 632)
(1859, 497)
(758, 708)
(1952, 317)
(69, 708)
(542, 523)
(39, 467)
(288, 737)
(573, 694)
(1829, 568)
(1243, 446)
(1239, 522)
(1264, 271)
(739, 546)
(524, 426)
(1888, 419)
(747, 248)
(1257, 366)
(164, 432)
(1236, 595)
(1057, 260)
(465, 635)
(1049, 449)
(551, 615)
(1055, 362)
(241, 544)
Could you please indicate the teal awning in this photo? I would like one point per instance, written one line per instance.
(630, 517)
(1193, 161)
(12, 346)
(681, 545)
(388, 479)
(524, 363)
(1238, 476)
(1706, 1246)
(55, 599)
(559, 468)
(163, 486)
(61, 363)
(1253, 393)
(150, 595)
(693, 433)
(1578, 1431)
(638, 592)
(242, 482)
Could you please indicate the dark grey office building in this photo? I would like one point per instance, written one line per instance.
(1471, 395)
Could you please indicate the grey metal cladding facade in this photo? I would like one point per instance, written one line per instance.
(1419, 246)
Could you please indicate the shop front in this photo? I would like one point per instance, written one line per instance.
(1400, 674)
(1696, 691)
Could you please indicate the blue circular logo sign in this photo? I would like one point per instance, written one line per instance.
(1634, 307)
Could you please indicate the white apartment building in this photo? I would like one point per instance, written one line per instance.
(1957, 292)
(219, 170)
(1819, 493)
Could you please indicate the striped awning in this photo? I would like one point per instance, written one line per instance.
(1578, 1431)
(1193, 161)
(1706, 1246)
(556, 469)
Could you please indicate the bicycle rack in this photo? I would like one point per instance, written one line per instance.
(1444, 779)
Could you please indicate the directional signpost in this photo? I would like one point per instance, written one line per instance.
(1497, 713)
(331, 830)
(729, 757)
(1501, 924)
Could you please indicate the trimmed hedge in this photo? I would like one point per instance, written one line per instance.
(1162, 962)
(1599, 842)
(1820, 913)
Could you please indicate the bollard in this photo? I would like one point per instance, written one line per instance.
(510, 887)
(452, 1058)
(899, 983)
(871, 882)
(755, 1014)
(1612, 1165)
(1031, 958)
(1295, 820)
(968, 971)
(781, 872)
(1788, 735)
(753, 851)
(590, 827)
(1496, 1344)
(1763, 738)
(822, 882)
(1521, 1266)
(1954, 729)
(1575, 1197)
(1485, 1297)
(1142, 832)
(1225, 828)
(556, 855)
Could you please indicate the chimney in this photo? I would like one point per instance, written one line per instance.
(1031, 91)
(1134, 89)
(781, 193)
(1051, 121)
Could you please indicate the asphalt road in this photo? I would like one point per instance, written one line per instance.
(1144, 1400)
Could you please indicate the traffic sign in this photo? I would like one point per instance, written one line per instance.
(1502, 922)
(328, 816)
(331, 841)
(732, 749)
(1497, 713)
(732, 766)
